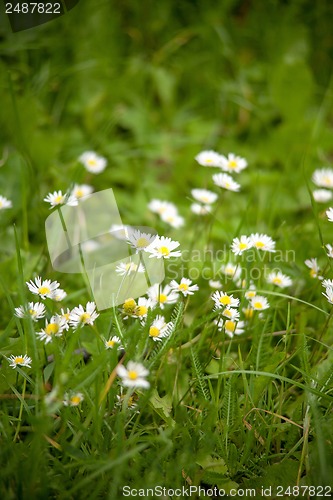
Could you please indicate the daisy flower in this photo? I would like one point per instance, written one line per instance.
(134, 375)
(81, 190)
(174, 220)
(80, 316)
(312, 264)
(329, 214)
(262, 242)
(138, 240)
(231, 314)
(129, 306)
(208, 159)
(57, 198)
(251, 292)
(226, 182)
(65, 315)
(5, 203)
(159, 329)
(327, 283)
(185, 286)
(92, 162)
(279, 279)
(112, 342)
(329, 251)
(73, 399)
(329, 294)
(231, 270)
(58, 295)
(222, 299)
(239, 245)
(204, 196)
(322, 195)
(199, 209)
(53, 328)
(129, 268)
(160, 207)
(44, 288)
(162, 296)
(163, 247)
(259, 303)
(230, 327)
(35, 311)
(131, 401)
(323, 177)
(22, 360)
(119, 231)
(141, 310)
(232, 163)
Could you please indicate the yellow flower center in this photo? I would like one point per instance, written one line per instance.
(250, 295)
(19, 360)
(110, 343)
(66, 316)
(43, 290)
(227, 313)
(129, 306)
(257, 305)
(142, 242)
(232, 164)
(32, 312)
(242, 246)
(141, 310)
(313, 273)
(208, 160)
(230, 325)
(132, 374)
(52, 329)
(75, 400)
(154, 331)
(164, 251)
(183, 287)
(248, 313)
(92, 162)
(84, 318)
(162, 298)
(79, 193)
(277, 281)
(58, 199)
(259, 244)
(225, 300)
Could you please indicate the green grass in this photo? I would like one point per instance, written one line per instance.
(149, 85)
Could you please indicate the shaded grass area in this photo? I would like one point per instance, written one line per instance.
(148, 86)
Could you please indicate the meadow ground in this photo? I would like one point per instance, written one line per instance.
(220, 378)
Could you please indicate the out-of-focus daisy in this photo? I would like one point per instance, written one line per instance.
(312, 264)
(262, 242)
(58, 295)
(329, 294)
(259, 303)
(251, 292)
(174, 220)
(35, 311)
(65, 315)
(322, 195)
(163, 247)
(139, 240)
(215, 284)
(240, 245)
(204, 196)
(231, 270)
(57, 198)
(162, 296)
(141, 310)
(5, 203)
(248, 312)
(159, 329)
(53, 328)
(119, 231)
(73, 399)
(232, 163)
(113, 342)
(124, 269)
(199, 209)
(231, 313)
(44, 288)
(22, 360)
(329, 251)
(134, 375)
(129, 306)
(184, 286)
(323, 177)
(81, 190)
(160, 207)
(279, 279)
(222, 299)
(208, 159)
(131, 401)
(329, 214)
(92, 162)
(225, 181)
(80, 316)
